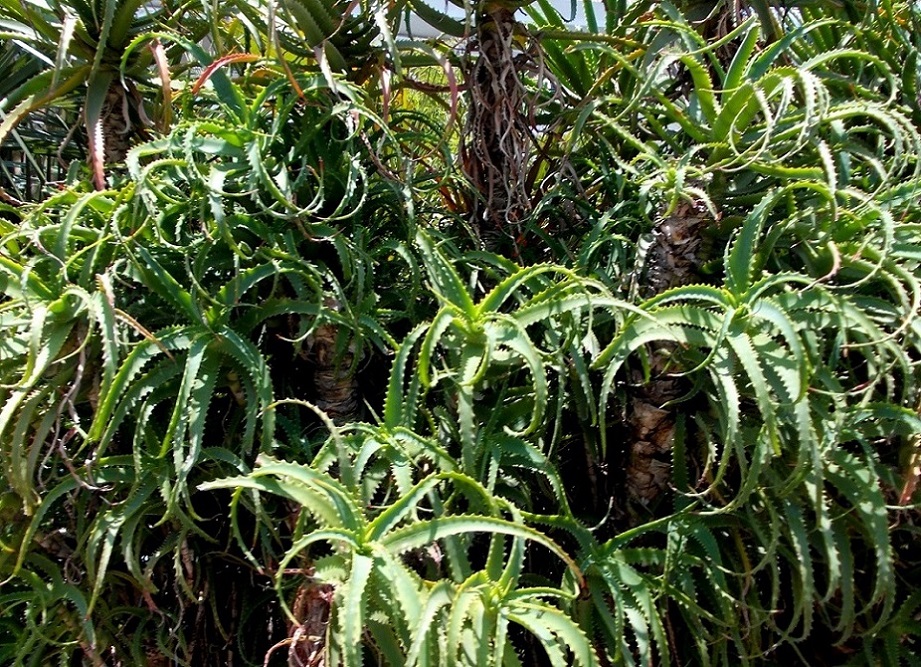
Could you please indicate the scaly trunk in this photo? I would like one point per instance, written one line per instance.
(338, 395)
(335, 381)
(308, 636)
(120, 122)
(674, 259)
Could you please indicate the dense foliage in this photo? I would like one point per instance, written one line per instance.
(527, 345)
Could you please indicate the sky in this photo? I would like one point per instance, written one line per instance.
(418, 29)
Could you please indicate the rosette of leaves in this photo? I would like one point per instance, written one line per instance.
(330, 34)
(81, 50)
(787, 452)
(380, 604)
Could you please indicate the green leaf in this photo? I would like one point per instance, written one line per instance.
(437, 19)
(445, 280)
(161, 282)
(554, 629)
(440, 596)
(856, 480)
(422, 533)
(741, 257)
(352, 611)
(400, 407)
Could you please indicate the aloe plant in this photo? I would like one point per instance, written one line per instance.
(369, 579)
(732, 241)
(140, 374)
(80, 48)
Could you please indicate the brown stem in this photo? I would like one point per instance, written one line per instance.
(335, 381)
(674, 259)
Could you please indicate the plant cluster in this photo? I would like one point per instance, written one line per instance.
(299, 376)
